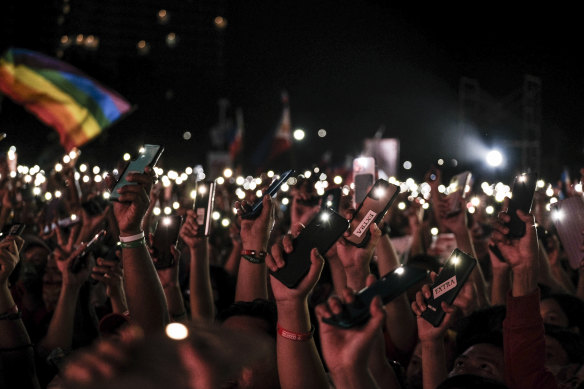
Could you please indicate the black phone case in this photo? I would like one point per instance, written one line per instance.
(203, 206)
(448, 284)
(149, 158)
(388, 288)
(320, 234)
(257, 207)
(522, 197)
(164, 237)
(365, 215)
(461, 180)
(80, 261)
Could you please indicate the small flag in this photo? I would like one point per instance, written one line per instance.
(236, 144)
(60, 95)
(283, 139)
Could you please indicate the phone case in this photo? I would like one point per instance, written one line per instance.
(149, 158)
(273, 189)
(568, 217)
(388, 288)
(322, 232)
(204, 203)
(371, 210)
(457, 190)
(363, 177)
(521, 198)
(165, 235)
(448, 284)
(80, 261)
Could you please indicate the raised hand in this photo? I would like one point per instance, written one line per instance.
(133, 202)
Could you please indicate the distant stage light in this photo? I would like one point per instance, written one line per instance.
(299, 134)
(494, 158)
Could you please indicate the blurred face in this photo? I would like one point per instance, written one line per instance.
(552, 313)
(483, 360)
(34, 262)
(52, 280)
(260, 375)
(555, 355)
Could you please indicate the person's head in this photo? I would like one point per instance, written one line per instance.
(481, 359)
(564, 311)
(256, 317)
(562, 347)
(34, 256)
(469, 381)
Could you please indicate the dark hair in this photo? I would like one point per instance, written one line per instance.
(572, 343)
(425, 261)
(258, 308)
(572, 307)
(483, 326)
(470, 381)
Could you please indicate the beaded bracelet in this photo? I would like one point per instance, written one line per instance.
(295, 336)
(254, 256)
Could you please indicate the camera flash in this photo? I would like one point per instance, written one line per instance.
(177, 331)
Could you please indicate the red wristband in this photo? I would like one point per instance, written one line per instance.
(254, 256)
(296, 336)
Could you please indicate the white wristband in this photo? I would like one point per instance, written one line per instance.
(131, 238)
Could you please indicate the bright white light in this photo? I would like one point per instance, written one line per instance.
(177, 331)
(578, 187)
(175, 205)
(86, 179)
(73, 217)
(58, 167)
(494, 158)
(127, 157)
(167, 210)
(426, 205)
(489, 210)
(440, 162)
(270, 174)
(36, 191)
(338, 180)
(106, 195)
(285, 187)
(97, 179)
(259, 193)
(48, 196)
(540, 183)
(322, 132)
(557, 215)
(299, 134)
(156, 211)
(227, 173)
(434, 231)
(522, 178)
(455, 260)
(407, 165)
(215, 215)
(166, 221)
(285, 201)
(475, 201)
(471, 209)
(57, 193)
(13, 174)
(239, 180)
(401, 205)
(441, 188)
(553, 200)
(66, 159)
(225, 222)
(220, 180)
(400, 270)
(379, 192)
(549, 191)
(325, 217)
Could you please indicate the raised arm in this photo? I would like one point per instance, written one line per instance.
(296, 350)
(252, 275)
(202, 306)
(146, 300)
(16, 354)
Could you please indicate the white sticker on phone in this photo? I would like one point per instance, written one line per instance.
(364, 225)
(444, 287)
(200, 216)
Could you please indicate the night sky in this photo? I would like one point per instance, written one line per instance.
(349, 67)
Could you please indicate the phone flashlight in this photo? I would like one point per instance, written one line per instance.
(166, 221)
(379, 192)
(202, 190)
(522, 178)
(399, 270)
(362, 163)
(325, 217)
(455, 260)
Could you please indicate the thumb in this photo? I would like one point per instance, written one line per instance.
(266, 209)
(377, 316)
(316, 265)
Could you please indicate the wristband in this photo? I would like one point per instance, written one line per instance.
(11, 316)
(254, 256)
(133, 244)
(296, 336)
(131, 238)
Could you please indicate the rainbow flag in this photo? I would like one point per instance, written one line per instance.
(60, 95)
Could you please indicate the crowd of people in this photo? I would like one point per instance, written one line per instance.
(73, 316)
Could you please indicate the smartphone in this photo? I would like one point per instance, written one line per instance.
(521, 198)
(568, 217)
(447, 285)
(80, 261)
(371, 210)
(165, 235)
(14, 230)
(256, 208)
(331, 199)
(147, 158)
(322, 232)
(68, 221)
(388, 288)
(203, 206)
(458, 188)
(363, 177)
